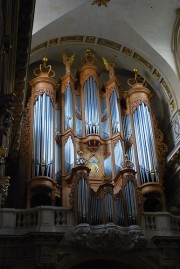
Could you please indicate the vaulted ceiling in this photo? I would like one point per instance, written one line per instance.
(138, 33)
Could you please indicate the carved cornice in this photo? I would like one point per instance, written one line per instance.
(107, 238)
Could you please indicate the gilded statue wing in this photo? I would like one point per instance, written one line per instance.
(105, 63)
(64, 57)
(72, 58)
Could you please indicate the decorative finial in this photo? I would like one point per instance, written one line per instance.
(137, 79)
(127, 163)
(43, 70)
(45, 59)
(68, 61)
(126, 157)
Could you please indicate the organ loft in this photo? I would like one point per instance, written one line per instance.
(87, 148)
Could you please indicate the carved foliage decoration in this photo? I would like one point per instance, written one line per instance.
(161, 147)
(25, 136)
(107, 238)
(6, 112)
(50, 92)
(137, 102)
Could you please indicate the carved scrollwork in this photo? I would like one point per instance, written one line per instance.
(107, 238)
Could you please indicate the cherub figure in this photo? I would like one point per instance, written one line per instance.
(67, 61)
(109, 67)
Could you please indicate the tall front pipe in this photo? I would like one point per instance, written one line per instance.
(42, 138)
(146, 144)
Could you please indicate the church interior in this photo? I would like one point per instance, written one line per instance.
(89, 134)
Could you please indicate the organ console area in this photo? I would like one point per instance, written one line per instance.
(83, 148)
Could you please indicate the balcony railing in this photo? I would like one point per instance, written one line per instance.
(160, 224)
(60, 219)
(39, 219)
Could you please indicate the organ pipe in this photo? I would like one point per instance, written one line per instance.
(91, 110)
(69, 155)
(44, 128)
(145, 144)
(85, 118)
(115, 120)
(68, 108)
(118, 156)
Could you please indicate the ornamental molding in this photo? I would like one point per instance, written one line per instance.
(107, 238)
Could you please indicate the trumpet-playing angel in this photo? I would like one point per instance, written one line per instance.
(67, 61)
(109, 67)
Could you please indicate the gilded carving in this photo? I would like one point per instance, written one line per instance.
(68, 61)
(109, 67)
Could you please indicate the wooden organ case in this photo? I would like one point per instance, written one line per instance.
(85, 150)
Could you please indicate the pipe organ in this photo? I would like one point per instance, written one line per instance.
(85, 145)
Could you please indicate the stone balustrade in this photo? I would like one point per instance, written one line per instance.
(38, 219)
(60, 219)
(160, 224)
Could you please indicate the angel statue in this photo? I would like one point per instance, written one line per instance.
(109, 67)
(67, 61)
